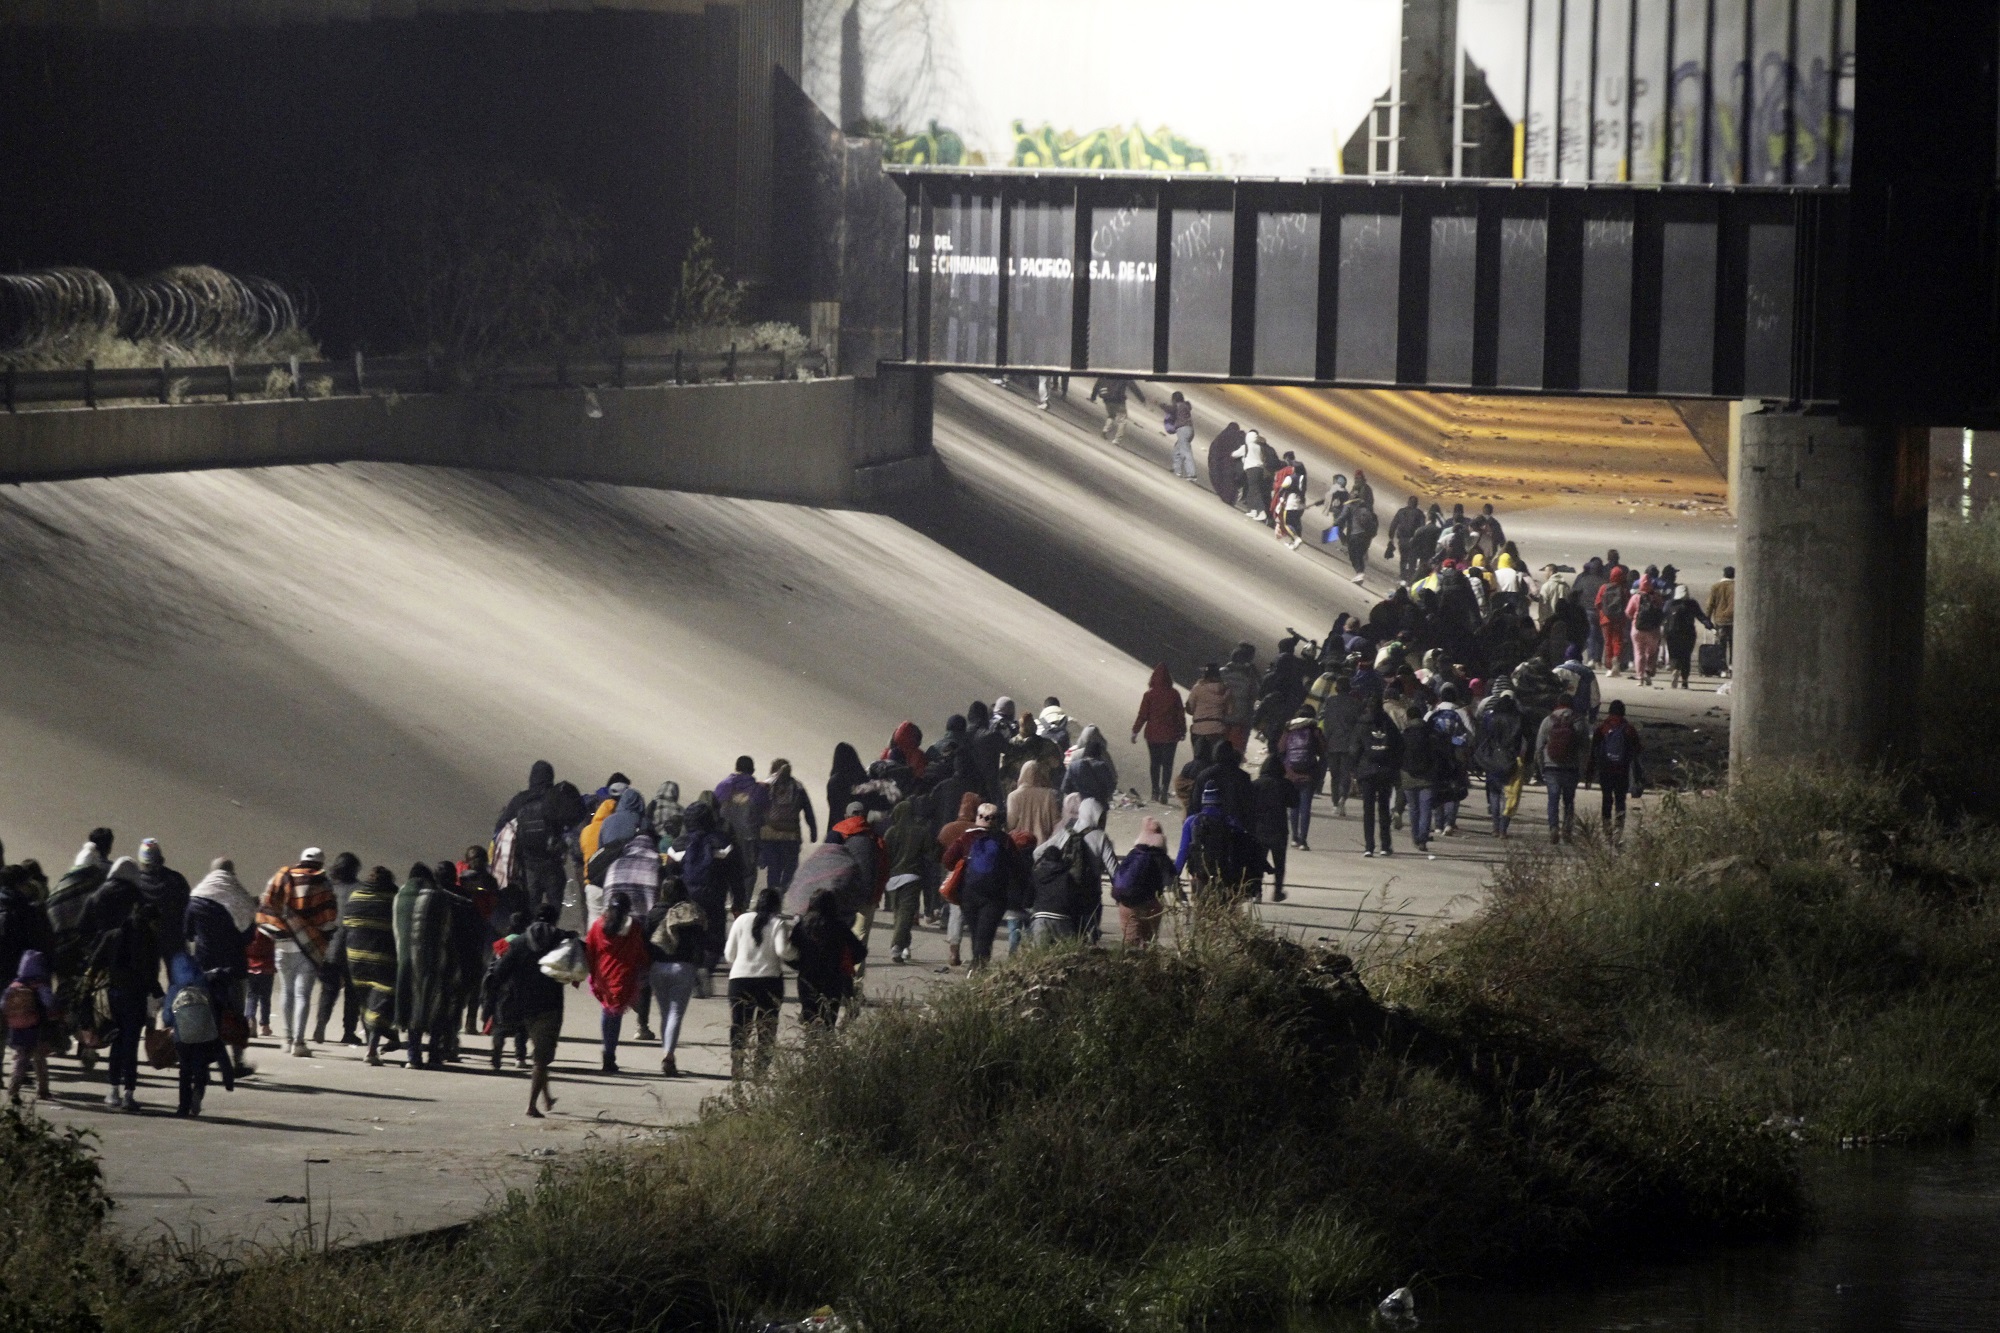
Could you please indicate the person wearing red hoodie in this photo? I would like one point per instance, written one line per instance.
(1611, 600)
(1163, 717)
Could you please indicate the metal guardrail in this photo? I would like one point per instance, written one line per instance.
(94, 386)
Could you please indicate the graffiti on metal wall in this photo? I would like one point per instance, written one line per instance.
(1114, 148)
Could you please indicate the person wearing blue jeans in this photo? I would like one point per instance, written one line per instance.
(1302, 813)
(1558, 755)
(1562, 802)
(1420, 818)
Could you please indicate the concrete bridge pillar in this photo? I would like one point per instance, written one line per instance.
(1829, 591)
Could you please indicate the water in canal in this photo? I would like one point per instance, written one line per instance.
(1905, 1241)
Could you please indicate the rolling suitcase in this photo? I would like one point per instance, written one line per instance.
(1709, 660)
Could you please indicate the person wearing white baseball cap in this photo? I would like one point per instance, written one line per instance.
(298, 913)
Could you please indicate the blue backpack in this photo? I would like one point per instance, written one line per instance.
(984, 858)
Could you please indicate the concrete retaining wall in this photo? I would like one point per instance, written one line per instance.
(802, 442)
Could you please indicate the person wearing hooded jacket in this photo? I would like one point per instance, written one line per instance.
(665, 813)
(829, 955)
(220, 919)
(986, 744)
(1162, 717)
(127, 954)
(541, 815)
(444, 971)
(192, 1013)
(24, 923)
(1067, 888)
(526, 999)
(1033, 805)
(1225, 773)
(1499, 750)
(1091, 774)
(703, 852)
(370, 928)
(912, 859)
(620, 965)
(742, 802)
(1274, 799)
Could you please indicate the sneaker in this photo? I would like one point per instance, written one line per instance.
(130, 1102)
(303, 1051)
(1362, 575)
(1277, 895)
(668, 1069)
(375, 1058)
(1294, 543)
(647, 1034)
(1386, 852)
(112, 1099)
(1430, 856)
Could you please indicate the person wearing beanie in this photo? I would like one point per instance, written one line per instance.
(298, 914)
(163, 889)
(743, 802)
(1138, 886)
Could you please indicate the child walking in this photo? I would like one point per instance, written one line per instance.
(30, 1008)
(197, 1033)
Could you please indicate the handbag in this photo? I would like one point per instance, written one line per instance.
(949, 889)
(160, 1050)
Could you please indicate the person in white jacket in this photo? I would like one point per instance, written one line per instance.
(755, 951)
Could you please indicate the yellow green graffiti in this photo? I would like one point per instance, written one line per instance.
(935, 147)
(1114, 148)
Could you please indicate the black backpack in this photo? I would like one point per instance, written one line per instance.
(535, 832)
(1217, 853)
(1379, 743)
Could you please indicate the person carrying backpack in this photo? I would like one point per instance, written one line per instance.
(1217, 853)
(1682, 615)
(533, 827)
(29, 1005)
(1303, 749)
(788, 803)
(1454, 758)
(1139, 885)
(1377, 766)
(1614, 759)
(1647, 611)
(992, 881)
(1498, 752)
(1558, 758)
(195, 1020)
(1068, 876)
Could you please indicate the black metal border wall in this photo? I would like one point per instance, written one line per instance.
(1509, 287)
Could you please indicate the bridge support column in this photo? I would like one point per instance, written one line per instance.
(1830, 593)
